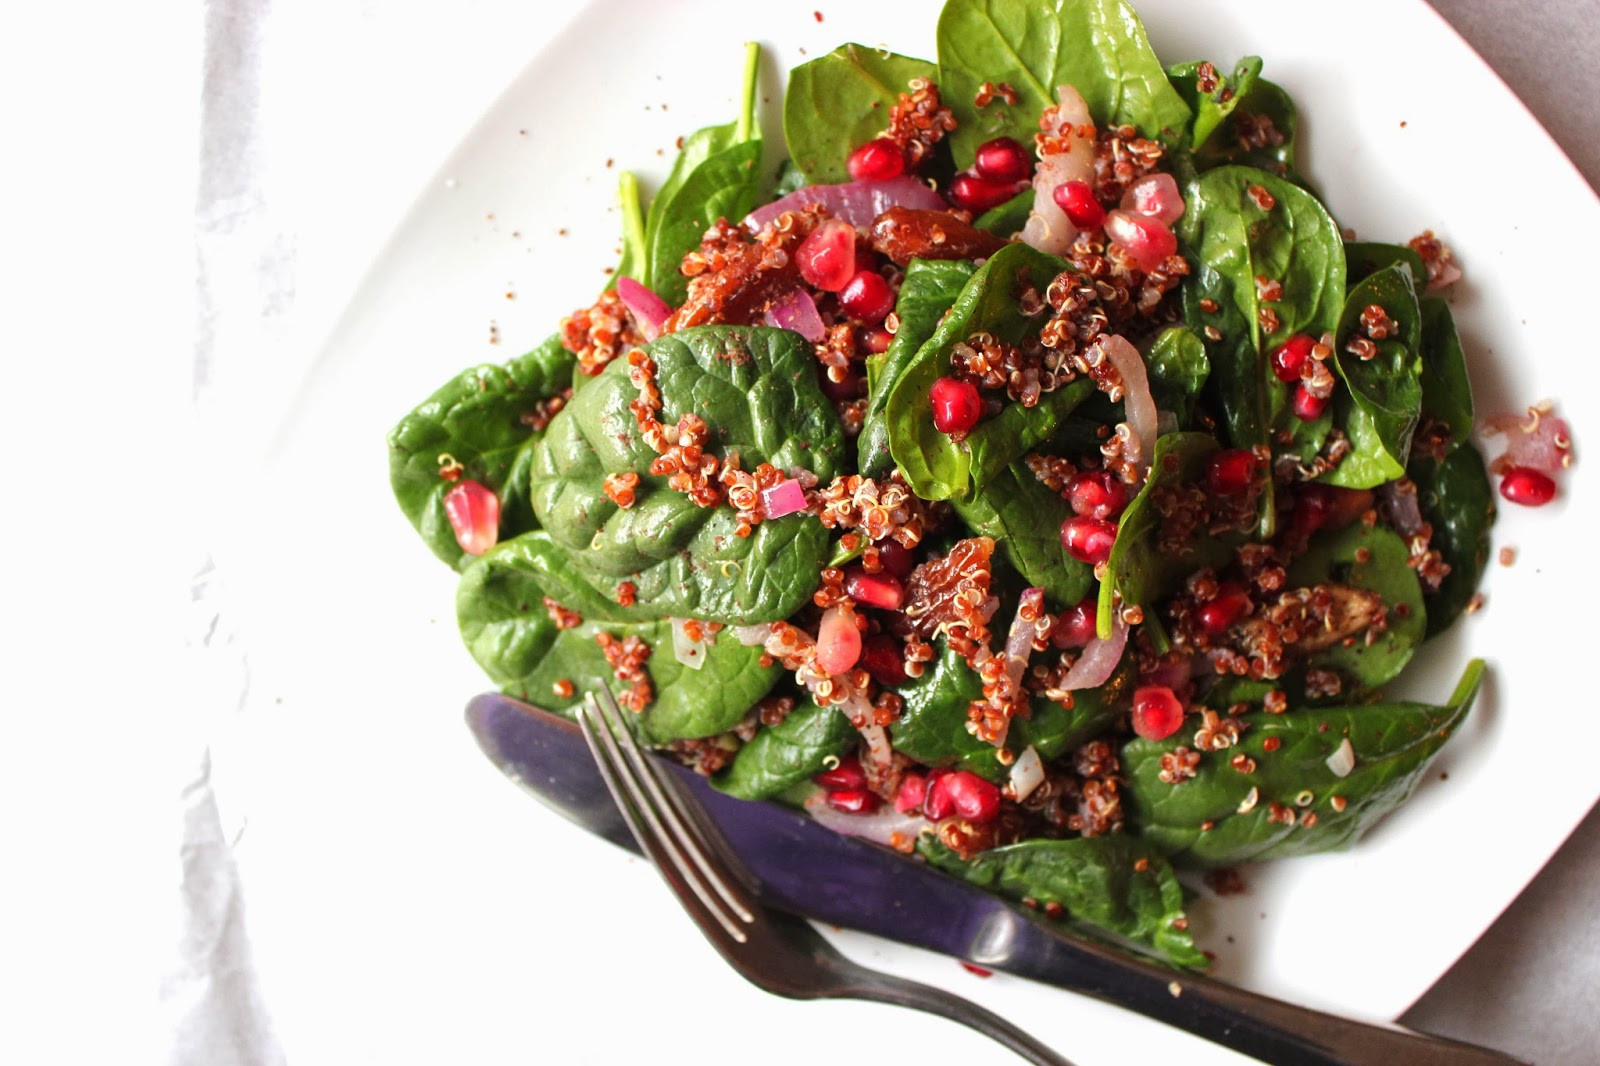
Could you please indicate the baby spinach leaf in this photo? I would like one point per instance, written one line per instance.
(1242, 137)
(1455, 497)
(1446, 390)
(838, 102)
(788, 753)
(929, 288)
(500, 609)
(1007, 220)
(757, 389)
(1178, 369)
(1365, 258)
(1024, 517)
(477, 419)
(1117, 884)
(935, 467)
(1096, 46)
(634, 256)
(1383, 396)
(1212, 108)
(1375, 559)
(1393, 744)
(932, 727)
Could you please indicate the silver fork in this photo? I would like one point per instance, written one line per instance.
(774, 951)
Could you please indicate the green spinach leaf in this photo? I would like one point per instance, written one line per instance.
(1007, 220)
(788, 753)
(1212, 108)
(838, 102)
(1455, 497)
(1446, 390)
(1374, 559)
(1178, 370)
(1024, 517)
(1259, 131)
(1383, 396)
(1365, 258)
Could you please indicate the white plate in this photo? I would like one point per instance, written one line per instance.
(437, 915)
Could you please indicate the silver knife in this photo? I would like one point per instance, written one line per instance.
(806, 869)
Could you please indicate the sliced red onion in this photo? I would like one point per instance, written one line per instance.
(1172, 673)
(1048, 228)
(1535, 438)
(856, 202)
(1156, 196)
(1027, 773)
(1443, 277)
(649, 311)
(784, 498)
(882, 826)
(1019, 639)
(797, 311)
(1343, 760)
(691, 653)
(1099, 659)
(879, 752)
(1137, 403)
(750, 636)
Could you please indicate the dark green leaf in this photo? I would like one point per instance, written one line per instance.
(1212, 108)
(788, 753)
(1024, 517)
(1446, 391)
(1178, 369)
(477, 420)
(1455, 497)
(840, 101)
(1365, 258)
(1116, 884)
(1258, 132)
(1376, 559)
(1383, 396)
(1393, 744)
(1007, 220)
(757, 389)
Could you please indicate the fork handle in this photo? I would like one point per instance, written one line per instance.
(887, 988)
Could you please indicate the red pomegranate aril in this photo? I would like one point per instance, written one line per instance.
(978, 971)
(971, 192)
(1231, 472)
(964, 794)
(1289, 357)
(896, 558)
(848, 774)
(867, 298)
(1157, 714)
(1148, 240)
(1308, 407)
(913, 789)
(874, 590)
(1155, 196)
(1077, 201)
(1527, 486)
(1328, 507)
(936, 802)
(883, 657)
(838, 641)
(1097, 494)
(474, 514)
(827, 258)
(1230, 605)
(1088, 540)
(1075, 626)
(877, 160)
(878, 340)
(1003, 159)
(956, 405)
(853, 801)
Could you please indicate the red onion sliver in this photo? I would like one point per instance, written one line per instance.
(882, 826)
(784, 498)
(1027, 773)
(649, 310)
(1099, 659)
(1137, 403)
(797, 311)
(1048, 228)
(1404, 511)
(750, 636)
(691, 653)
(1535, 438)
(856, 202)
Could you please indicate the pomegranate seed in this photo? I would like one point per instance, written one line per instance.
(1230, 605)
(1075, 626)
(1088, 540)
(1157, 714)
(1097, 493)
(956, 405)
(913, 789)
(1003, 159)
(973, 193)
(877, 160)
(979, 970)
(883, 658)
(896, 558)
(936, 802)
(1230, 472)
(1077, 201)
(1155, 196)
(866, 259)
(878, 340)
(474, 514)
(838, 641)
(964, 794)
(847, 775)
(1328, 507)
(867, 298)
(827, 258)
(1527, 486)
(874, 590)
(1148, 240)
(1308, 408)
(853, 801)
(1289, 357)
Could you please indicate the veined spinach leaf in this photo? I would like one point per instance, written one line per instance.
(1393, 744)
(1446, 390)
(935, 467)
(1098, 47)
(838, 102)
(1455, 497)
(1259, 131)
(1178, 370)
(1115, 883)
(757, 389)
(788, 753)
(1374, 559)
(930, 287)
(1024, 517)
(1365, 258)
(476, 419)
(500, 609)
(1384, 397)
(1211, 108)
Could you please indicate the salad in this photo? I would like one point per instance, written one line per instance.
(1029, 474)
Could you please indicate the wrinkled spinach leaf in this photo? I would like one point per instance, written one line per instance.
(1024, 517)
(1446, 390)
(1098, 47)
(757, 389)
(1178, 369)
(1455, 497)
(1235, 142)
(838, 102)
(788, 753)
(477, 419)
(1212, 108)
(1098, 880)
(1383, 396)
(1393, 744)
(1375, 559)
(500, 609)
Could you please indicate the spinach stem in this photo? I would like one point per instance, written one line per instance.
(632, 223)
(752, 69)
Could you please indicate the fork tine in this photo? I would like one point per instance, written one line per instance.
(687, 829)
(663, 849)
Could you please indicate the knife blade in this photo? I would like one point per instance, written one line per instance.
(800, 866)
